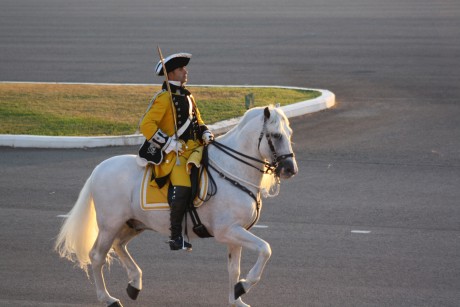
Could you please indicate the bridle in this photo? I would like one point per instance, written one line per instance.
(268, 167)
(276, 159)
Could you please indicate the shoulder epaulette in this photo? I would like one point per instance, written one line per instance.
(160, 93)
(157, 95)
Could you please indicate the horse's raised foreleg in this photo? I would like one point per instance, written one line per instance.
(98, 256)
(238, 236)
(134, 272)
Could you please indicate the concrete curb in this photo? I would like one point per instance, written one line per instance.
(326, 100)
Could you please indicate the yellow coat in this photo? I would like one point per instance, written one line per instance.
(160, 116)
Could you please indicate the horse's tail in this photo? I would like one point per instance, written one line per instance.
(79, 231)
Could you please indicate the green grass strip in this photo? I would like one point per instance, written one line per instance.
(90, 110)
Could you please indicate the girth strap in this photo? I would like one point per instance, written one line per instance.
(198, 228)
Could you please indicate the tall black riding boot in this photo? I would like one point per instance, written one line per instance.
(178, 198)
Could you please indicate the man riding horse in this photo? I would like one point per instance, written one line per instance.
(173, 129)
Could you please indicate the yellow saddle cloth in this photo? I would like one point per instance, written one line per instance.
(154, 198)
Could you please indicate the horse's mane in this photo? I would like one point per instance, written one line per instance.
(276, 116)
(249, 115)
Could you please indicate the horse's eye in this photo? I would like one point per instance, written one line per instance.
(276, 135)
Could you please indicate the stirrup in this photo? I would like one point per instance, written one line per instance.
(179, 243)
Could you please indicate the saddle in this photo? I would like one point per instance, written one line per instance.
(155, 197)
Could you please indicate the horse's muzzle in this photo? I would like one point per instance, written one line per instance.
(286, 168)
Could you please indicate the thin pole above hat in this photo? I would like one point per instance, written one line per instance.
(172, 62)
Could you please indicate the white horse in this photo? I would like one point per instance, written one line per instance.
(107, 214)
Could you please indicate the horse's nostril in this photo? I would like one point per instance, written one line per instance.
(287, 169)
(287, 172)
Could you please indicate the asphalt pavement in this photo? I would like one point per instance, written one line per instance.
(372, 218)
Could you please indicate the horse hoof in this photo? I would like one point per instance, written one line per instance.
(239, 290)
(132, 292)
(115, 304)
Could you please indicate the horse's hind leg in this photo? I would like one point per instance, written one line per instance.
(98, 256)
(134, 272)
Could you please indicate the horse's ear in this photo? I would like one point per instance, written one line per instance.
(267, 113)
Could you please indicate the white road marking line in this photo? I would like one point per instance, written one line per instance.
(361, 231)
(63, 215)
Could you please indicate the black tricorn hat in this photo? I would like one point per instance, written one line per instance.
(172, 62)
